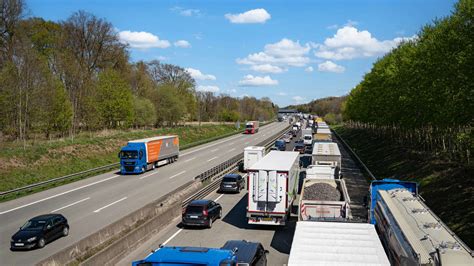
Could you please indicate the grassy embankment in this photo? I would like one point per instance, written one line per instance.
(43, 160)
(447, 187)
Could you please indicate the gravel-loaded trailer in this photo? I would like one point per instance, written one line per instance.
(145, 154)
(272, 184)
(324, 200)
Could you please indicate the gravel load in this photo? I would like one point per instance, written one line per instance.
(321, 191)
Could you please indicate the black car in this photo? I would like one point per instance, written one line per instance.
(40, 230)
(201, 213)
(250, 253)
(232, 183)
(299, 147)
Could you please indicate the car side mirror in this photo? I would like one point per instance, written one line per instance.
(48, 226)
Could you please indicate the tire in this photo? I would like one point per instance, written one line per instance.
(220, 214)
(154, 166)
(65, 231)
(210, 223)
(143, 169)
(41, 243)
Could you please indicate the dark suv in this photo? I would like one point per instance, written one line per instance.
(232, 182)
(40, 230)
(250, 253)
(201, 213)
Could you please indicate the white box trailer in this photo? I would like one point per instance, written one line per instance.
(323, 134)
(272, 185)
(324, 200)
(344, 244)
(252, 154)
(326, 153)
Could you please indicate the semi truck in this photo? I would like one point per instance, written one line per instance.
(411, 233)
(251, 127)
(324, 199)
(323, 134)
(145, 154)
(252, 154)
(272, 185)
(326, 243)
(326, 153)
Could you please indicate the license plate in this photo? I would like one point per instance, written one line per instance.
(193, 216)
(267, 219)
(19, 244)
(227, 186)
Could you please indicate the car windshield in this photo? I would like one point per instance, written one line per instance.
(34, 225)
(249, 126)
(229, 179)
(129, 154)
(307, 137)
(194, 209)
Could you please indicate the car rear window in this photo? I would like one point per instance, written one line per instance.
(229, 179)
(194, 209)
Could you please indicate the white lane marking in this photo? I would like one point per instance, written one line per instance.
(69, 205)
(218, 198)
(233, 149)
(145, 176)
(60, 194)
(190, 159)
(171, 237)
(180, 173)
(108, 205)
(212, 159)
(214, 150)
(208, 146)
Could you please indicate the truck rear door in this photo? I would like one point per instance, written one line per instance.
(261, 193)
(273, 187)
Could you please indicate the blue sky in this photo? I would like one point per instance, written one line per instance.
(289, 51)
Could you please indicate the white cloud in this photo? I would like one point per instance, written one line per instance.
(162, 58)
(142, 40)
(349, 43)
(259, 15)
(284, 53)
(186, 12)
(329, 66)
(309, 69)
(232, 91)
(298, 99)
(208, 88)
(267, 68)
(182, 44)
(255, 81)
(282, 94)
(197, 74)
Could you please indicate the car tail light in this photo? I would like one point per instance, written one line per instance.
(204, 212)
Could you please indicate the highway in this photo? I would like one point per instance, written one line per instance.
(96, 202)
(234, 226)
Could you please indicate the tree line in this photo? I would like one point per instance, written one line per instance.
(424, 82)
(60, 78)
(330, 108)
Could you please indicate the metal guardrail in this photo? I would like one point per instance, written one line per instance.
(216, 173)
(109, 166)
(354, 155)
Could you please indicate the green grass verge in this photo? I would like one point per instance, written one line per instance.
(446, 186)
(43, 160)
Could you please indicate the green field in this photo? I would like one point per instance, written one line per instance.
(37, 161)
(446, 186)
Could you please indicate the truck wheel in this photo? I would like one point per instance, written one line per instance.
(143, 169)
(153, 166)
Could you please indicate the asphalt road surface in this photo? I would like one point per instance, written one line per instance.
(96, 202)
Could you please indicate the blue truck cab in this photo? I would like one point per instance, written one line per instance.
(133, 159)
(387, 184)
(187, 256)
